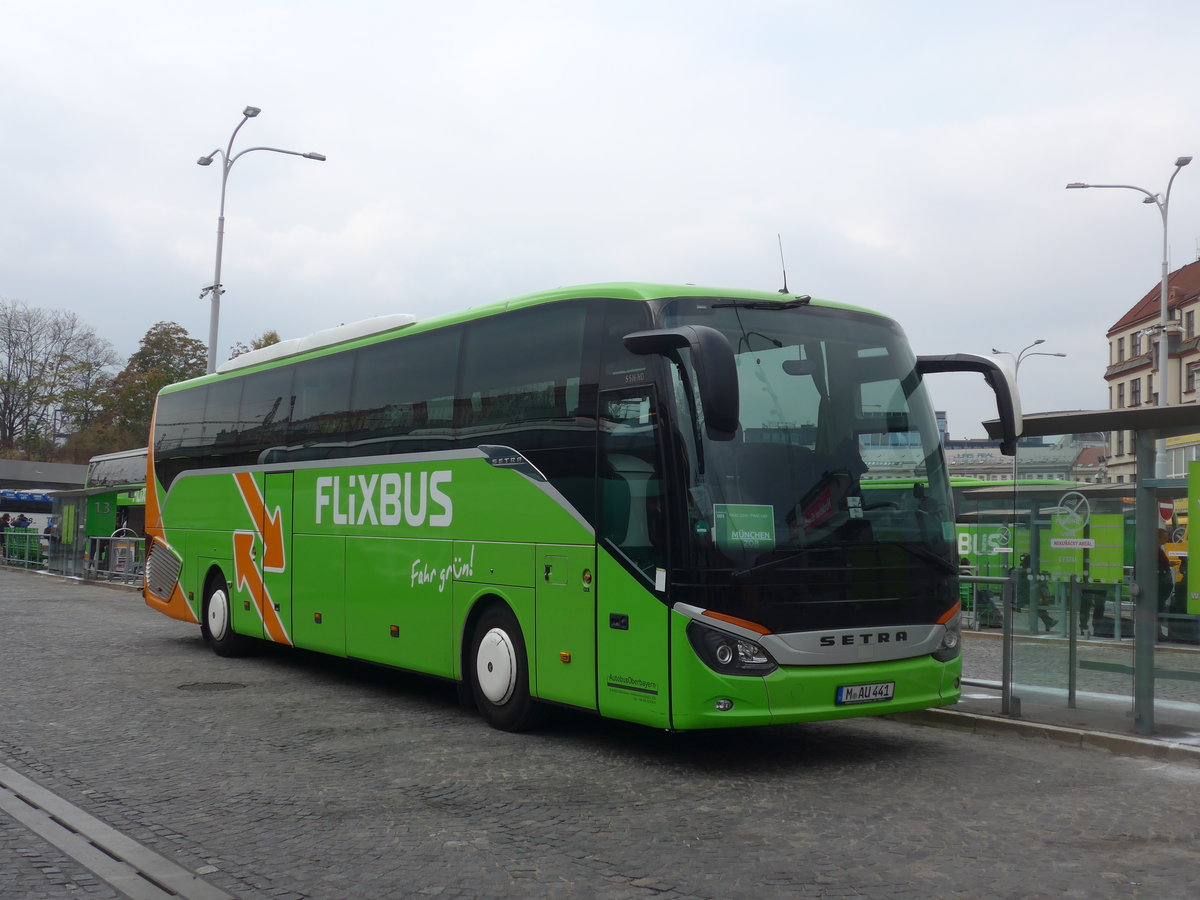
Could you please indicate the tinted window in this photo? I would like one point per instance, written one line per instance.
(403, 395)
(221, 421)
(520, 368)
(529, 382)
(125, 469)
(620, 368)
(320, 417)
(265, 412)
(178, 432)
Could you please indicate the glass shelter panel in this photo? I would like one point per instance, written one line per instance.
(1070, 549)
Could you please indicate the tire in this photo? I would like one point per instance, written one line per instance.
(499, 671)
(218, 622)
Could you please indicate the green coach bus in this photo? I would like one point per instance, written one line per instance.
(640, 500)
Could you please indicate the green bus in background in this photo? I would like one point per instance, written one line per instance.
(640, 500)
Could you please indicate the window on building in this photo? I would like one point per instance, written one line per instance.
(1135, 344)
(1120, 446)
(1193, 371)
(1121, 349)
(1189, 324)
(1120, 396)
(1135, 392)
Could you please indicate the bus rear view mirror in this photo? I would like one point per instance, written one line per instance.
(801, 366)
(999, 376)
(712, 360)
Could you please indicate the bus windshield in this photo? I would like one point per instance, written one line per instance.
(830, 400)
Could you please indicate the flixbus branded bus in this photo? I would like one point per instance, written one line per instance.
(639, 500)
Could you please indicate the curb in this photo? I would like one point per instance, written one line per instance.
(1117, 744)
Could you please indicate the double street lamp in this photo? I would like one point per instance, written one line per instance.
(1163, 204)
(1024, 354)
(228, 158)
(1019, 357)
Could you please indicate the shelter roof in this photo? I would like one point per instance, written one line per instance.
(1167, 420)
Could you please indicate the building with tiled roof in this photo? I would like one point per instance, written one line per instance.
(1132, 372)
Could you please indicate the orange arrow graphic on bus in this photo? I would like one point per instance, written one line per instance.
(246, 575)
(271, 526)
(246, 571)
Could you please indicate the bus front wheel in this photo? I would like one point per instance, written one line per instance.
(500, 672)
(218, 622)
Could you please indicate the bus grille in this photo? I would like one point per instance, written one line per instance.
(162, 570)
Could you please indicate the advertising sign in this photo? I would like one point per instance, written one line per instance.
(1062, 552)
(1107, 559)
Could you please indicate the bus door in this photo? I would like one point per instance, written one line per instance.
(275, 527)
(566, 624)
(631, 576)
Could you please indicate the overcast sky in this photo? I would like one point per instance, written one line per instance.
(912, 155)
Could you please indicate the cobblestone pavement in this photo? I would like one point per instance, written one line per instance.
(289, 776)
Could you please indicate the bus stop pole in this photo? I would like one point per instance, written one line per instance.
(1073, 597)
(1145, 621)
(1009, 705)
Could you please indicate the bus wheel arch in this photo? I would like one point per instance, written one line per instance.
(216, 617)
(496, 667)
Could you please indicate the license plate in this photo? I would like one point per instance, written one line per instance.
(866, 693)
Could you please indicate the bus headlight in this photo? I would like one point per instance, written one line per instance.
(727, 653)
(951, 644)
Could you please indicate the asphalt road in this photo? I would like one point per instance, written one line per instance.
(286, 775)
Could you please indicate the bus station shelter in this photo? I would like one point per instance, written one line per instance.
(1098, 616)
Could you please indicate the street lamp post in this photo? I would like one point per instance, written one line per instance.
(1163, 205)
(228, 158)
(1006, 659)
(1021, 355)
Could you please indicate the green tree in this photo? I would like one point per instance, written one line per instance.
(167, 354)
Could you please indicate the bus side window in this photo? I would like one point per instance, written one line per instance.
(402, 400)
(322, 398)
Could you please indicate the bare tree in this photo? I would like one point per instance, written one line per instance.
(44, 356)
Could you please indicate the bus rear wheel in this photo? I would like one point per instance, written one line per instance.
(218, 622)
(500, 672)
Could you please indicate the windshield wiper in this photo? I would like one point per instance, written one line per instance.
(772, 563)
(802, 300)
(920, 551)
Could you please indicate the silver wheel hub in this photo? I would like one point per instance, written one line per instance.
(218, 614)
(496, 666)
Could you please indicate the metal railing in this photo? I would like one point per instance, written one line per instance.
(24, 548)
(119, 557)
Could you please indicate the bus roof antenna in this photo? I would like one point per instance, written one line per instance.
(782, 264)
